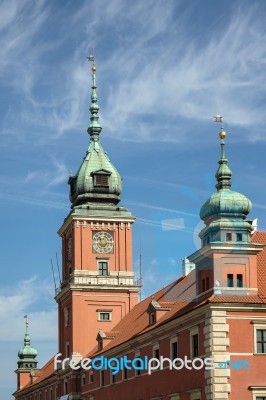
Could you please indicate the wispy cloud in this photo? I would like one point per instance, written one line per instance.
(154, 88)
(34, 201)
(22, 299)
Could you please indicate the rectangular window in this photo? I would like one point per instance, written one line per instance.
(260, 398)
(230, 280)
(83, 380)
(229, 237)
(195, 345)
(261, 340)
(155, 353)
(103, 268)
(137, 364)
(152, 318)
(125, 373)
(112, 377)
(203, 285)
(100, 344)
(65, 387)
(239, 237)
(101, 180)
(207, 283)
(101, 378)
(91, 377)
(104, 316)
(138, 370)
(174, 350)
(239, 280)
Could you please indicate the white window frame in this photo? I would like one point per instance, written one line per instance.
(257, 326)
(102, 260)
(258, 391)
(105, 312)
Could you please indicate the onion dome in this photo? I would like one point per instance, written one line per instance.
(225, 202)
(97, 180)
(27, 354)
(224, 213)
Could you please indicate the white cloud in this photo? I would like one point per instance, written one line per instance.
(173, 224)
(153, 77)
(22, 299)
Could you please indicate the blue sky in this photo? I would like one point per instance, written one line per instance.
(164, 68)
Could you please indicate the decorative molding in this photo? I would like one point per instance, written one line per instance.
(215, 345)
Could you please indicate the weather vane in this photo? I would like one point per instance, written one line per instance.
(222, 133)
(91, 58)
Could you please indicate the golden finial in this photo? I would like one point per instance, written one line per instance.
(222, 133)
(91, 58)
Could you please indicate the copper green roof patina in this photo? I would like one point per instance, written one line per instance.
(225, 210)
(27, 354)
(97, 181)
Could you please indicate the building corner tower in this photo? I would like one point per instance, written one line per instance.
(226, 262)
(98, 287)
(27, 363)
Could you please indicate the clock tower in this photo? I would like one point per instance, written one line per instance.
(98, 286)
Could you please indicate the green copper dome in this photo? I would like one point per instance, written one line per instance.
(27, 354)
(224, 213)
(225, 202)
(97, 180)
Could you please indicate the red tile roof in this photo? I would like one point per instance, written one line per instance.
(45, 372)
(180, 297)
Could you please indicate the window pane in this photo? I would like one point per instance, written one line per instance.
(261, 340)
(104, 316)
(230, 280)
(239, 280)
(239, 237)
(259, 334)
(195, 345)
(174, 350)
(103, 268)
(229, 237)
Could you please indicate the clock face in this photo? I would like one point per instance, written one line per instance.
(103, 242)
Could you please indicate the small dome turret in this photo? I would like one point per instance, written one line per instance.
(27, 354)
(226, 210)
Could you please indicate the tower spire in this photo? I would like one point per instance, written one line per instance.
(223, 174)
(27, 354)
(27, 336)
(95, 128)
